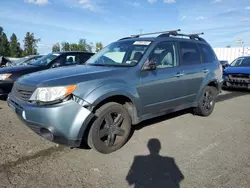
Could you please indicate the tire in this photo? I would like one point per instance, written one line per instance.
(111, 128)
(206, 104)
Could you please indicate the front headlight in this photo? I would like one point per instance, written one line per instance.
(4, 76)
(49, 94)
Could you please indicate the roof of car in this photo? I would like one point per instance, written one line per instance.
(244, 57)
(65, 52)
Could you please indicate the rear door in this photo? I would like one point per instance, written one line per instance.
(193, 69)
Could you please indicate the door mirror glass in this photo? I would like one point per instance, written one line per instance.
(55, 65)
(150, 64)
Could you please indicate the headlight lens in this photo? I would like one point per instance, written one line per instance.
(4, 76)
(49, 94)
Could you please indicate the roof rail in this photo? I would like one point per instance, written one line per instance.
(154, 33)
(168, 34)
(191, 36)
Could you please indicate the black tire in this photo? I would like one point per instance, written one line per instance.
(107, 125)
(206, 102)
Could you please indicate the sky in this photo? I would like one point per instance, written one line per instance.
(222, 21)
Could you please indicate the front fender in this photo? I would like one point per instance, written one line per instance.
(114, 89)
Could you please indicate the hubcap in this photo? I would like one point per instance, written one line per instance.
(111, 129)
(208, 101)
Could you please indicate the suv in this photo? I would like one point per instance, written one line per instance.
(127, 82)
(8, 75)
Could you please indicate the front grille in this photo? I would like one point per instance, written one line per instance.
(22, 92)
(239, 76)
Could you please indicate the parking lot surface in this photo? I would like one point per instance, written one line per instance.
(195, 152)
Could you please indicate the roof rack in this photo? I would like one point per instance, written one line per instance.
(168, 34)
(154, 33)
(191, 36)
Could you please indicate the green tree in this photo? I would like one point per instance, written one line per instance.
(5, 45)
(65, 46)
(14, 46)
(82, 45)
(98, 46)
(56, 47)
(30, 44)
(74, 47)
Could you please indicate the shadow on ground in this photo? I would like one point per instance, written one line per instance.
(154, 170)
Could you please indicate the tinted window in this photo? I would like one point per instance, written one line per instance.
(207, 53)
(189, 53)
(165, 55)
(84, 58)
(71, 59)
(68, 59)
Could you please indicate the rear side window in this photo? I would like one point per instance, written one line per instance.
(84, 57)
(190, 54)
(207, 53)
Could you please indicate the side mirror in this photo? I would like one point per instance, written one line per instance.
(55, 65)
(150, 65)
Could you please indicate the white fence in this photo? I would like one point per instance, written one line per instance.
(232, 53)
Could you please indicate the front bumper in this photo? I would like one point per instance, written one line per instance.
(63, 123)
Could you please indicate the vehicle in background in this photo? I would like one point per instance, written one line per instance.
(224, 64)
(26, 60)
(4, 61)
(127, 82)
(237, 74)
(8, 75)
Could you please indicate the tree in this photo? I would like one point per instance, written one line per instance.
(56, 47)
(30, 44)
(5, 45)
(98, 46)
(82, 45)
(74, 47)
(65, 46)
(228, 46)
(14, 46)
(89, 47)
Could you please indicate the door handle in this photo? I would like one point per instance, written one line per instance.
(179, 74)
(205, 70)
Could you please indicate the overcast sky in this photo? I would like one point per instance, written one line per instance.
(222, 21)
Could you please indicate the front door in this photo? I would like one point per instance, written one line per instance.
(161, 89)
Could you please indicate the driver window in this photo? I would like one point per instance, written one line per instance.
(165, 55)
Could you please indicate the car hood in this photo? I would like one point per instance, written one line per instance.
(237, 70)
(17, 68)
(69, 75)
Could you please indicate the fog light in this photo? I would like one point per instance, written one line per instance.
(47, 134)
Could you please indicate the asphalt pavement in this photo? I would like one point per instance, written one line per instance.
(194, 152)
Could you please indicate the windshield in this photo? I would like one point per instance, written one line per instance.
(241, 62)
(45, 60)
(121, 53)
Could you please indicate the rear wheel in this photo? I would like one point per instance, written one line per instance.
(111, 129)
(207, 101)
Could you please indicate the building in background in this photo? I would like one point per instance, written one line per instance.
(232, 53)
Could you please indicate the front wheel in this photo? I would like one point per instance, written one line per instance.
(111, 129)
(206, 102)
